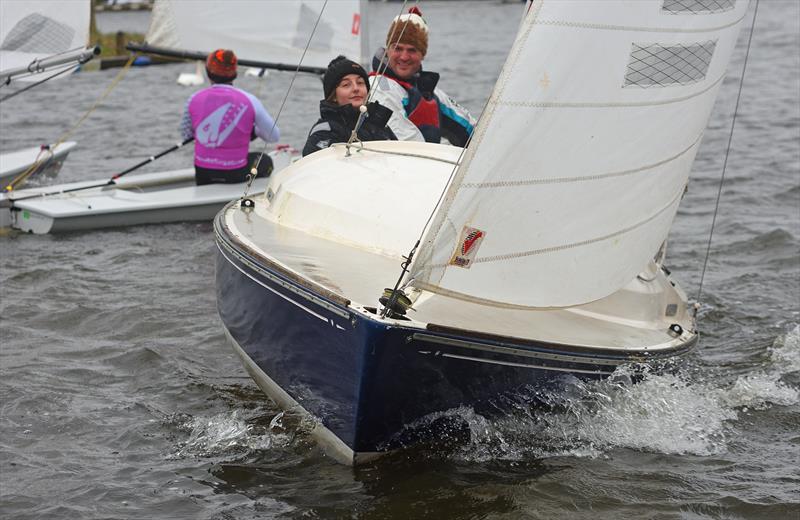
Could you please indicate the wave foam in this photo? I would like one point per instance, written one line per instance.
(226, 432)
(661, 413)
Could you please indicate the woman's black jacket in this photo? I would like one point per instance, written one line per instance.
(336, 123)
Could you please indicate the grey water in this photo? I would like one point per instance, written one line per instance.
(120, 399)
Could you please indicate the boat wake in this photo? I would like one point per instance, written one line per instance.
(670, 413)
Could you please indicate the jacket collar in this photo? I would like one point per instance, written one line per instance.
(345, 114)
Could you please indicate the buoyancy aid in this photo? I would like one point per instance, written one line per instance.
(423, 110)
(428, 113)
(222, 118)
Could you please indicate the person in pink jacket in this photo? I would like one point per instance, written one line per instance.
(223, 119)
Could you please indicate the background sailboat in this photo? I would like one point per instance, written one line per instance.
(272, 34)
(40, 35)
(257, 31)
(40, 40)
(544, 256)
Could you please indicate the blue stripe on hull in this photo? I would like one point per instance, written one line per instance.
(363, 378)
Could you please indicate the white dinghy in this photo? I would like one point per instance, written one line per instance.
(40, 40)
(150, 198)
(45, 161)
(544, 257)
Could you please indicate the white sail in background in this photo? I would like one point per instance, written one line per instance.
(582, 155)
(37, 29)
(275, 31)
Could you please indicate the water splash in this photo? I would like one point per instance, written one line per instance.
(227, 432)
(765, 387)
(671, 413)
(785, 352)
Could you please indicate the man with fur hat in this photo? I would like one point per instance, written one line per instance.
(222, 119)
(421, 111)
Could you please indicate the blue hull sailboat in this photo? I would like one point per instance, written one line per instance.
(542, 258)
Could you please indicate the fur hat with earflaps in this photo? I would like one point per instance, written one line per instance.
(221, 66)
(409, 29)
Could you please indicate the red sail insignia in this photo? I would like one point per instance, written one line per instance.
(467, 247)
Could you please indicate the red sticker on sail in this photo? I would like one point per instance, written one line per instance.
(356, 24)
(467, 247)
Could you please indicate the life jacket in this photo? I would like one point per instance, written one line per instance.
(421, 109)
(222, 119)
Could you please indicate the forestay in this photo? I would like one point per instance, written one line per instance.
(274, 31)
(37, 29)
(582, 155)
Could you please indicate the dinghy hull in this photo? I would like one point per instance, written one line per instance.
(363, 378)
(49, 160)
(150, 198)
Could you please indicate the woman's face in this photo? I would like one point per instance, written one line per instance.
(351, 90)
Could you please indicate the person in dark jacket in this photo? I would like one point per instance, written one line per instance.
(346, 86)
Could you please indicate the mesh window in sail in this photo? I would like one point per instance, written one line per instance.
(697, 6)
(661, 66)
(38, 34)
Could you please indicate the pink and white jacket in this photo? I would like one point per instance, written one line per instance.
(221, 119)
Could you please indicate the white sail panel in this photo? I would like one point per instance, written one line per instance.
(276, 31)
(580, 159)
(37, 29)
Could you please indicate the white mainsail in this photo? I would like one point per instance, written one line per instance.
(582, 155)
(37, 29)
(275, 31)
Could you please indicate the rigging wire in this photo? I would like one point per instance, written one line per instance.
(68, 68)
(254, 169)
(409, 258)
(121, 74)
(382, 66)
(727, 152)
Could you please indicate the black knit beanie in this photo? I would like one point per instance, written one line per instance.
(338, 68)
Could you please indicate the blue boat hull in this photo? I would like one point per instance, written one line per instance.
(364, 378)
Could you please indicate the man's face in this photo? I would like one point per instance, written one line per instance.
(405, 60)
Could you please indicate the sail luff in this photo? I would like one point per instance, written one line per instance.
(578, 164)
(419, 271)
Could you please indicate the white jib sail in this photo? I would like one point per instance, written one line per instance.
(582, 155)
(37, 29)
(275, 31)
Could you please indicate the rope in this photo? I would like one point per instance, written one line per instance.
(27, 173)
(254, 169)
(727, 152)
(363, 148)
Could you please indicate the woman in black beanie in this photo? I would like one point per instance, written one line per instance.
(346, 86)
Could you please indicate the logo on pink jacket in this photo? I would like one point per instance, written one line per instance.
(222, 119)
